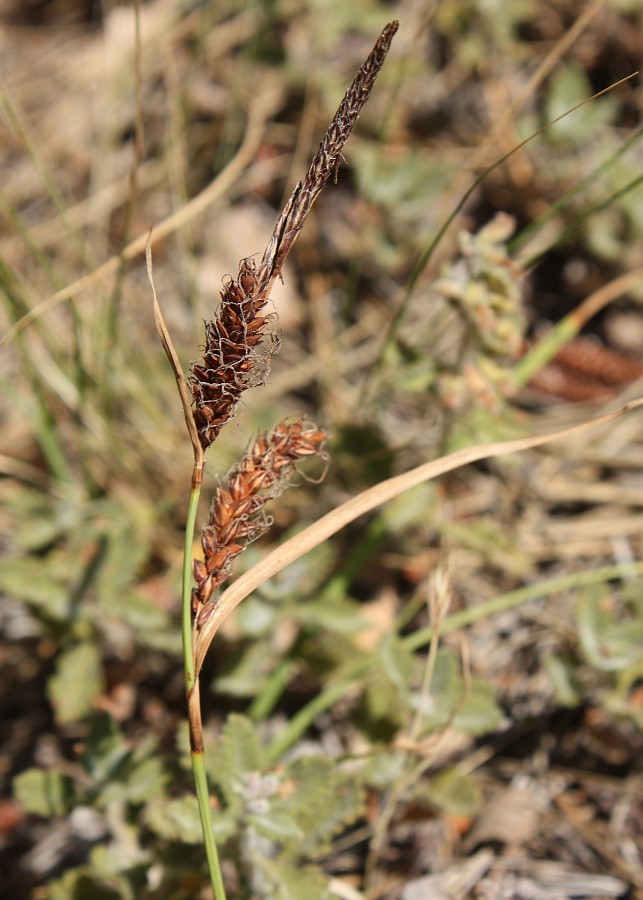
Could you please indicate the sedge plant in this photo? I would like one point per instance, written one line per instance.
(239, 342)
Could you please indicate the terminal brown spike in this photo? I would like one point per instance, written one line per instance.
(240, 340)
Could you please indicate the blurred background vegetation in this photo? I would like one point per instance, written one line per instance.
(348, 754)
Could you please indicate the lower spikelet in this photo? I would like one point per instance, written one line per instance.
(237, 514)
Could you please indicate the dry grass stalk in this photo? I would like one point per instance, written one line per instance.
(239, 343)
(237, 510)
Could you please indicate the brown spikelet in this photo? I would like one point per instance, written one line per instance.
(239, 341)
(238, 346)
(325, 162)
(237, 514)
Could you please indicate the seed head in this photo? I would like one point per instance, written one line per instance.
(237, 514)
(239, 341)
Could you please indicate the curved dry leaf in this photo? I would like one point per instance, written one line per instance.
(357, 506)
(181, 381)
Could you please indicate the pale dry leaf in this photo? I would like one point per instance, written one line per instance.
(370, 499)
(181, 381)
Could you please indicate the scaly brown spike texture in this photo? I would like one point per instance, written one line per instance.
(237, 510)
(234, 358)
(325, 162)
(238, 341)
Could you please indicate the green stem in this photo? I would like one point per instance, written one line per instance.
(207, 825)
(556, 208)
(194, 704)
(186, 617)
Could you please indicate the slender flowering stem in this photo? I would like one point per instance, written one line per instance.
(239, 342)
